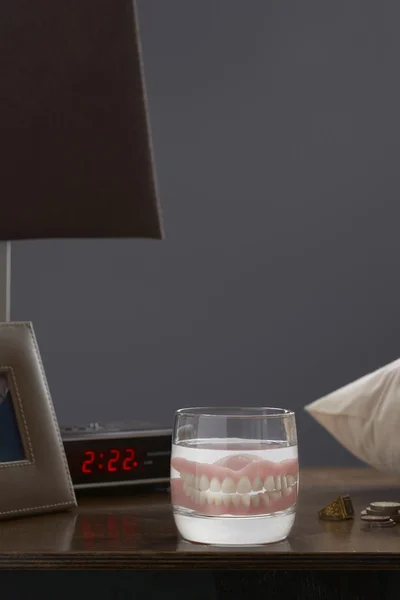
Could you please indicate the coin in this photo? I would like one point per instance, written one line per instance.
(375, 519)
(371, 511)
(395, 518)
(389, 523)
(380, 524)
(385, 507)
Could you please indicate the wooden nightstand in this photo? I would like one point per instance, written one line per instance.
(134, 535)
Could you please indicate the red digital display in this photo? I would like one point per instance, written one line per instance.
(114, 460)
(118, 461)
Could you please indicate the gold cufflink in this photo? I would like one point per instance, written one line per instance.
(338, 510)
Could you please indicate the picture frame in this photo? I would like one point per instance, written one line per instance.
(34, 473)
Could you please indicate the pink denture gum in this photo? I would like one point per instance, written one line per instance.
(235, 485)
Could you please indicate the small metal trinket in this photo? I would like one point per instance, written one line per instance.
(394, 516)
(338, 510)
(371, 511)
(386, 508)
(375, 519)
(378, 524)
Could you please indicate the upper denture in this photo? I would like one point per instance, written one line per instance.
(242, 470)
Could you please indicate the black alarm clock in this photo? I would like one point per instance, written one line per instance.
(117, 454)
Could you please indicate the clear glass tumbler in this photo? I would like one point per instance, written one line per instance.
(234, 474)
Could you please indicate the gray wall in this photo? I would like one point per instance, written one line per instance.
(276, 132)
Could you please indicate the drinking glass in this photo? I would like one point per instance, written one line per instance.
(234, 474)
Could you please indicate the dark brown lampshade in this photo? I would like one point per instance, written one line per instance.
(75, 154)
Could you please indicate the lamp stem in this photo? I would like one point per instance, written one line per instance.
(5, 280)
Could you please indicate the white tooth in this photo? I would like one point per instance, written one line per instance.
(285, 489)
(190, 478)
(183, 476)
(210, 498)
(275, 496)
(204, 483)
(269, 483)
(278, 483)
(265, 499)
(290, 480)
(226, 499)
(202, 497)
(217, 499)
(197, 496)
(244, 486)
(197, 482)
(235, 499)
(257, 484)
(215, 485)
(245, 500)
(193, 494)
(187, 488)
(255, 500)
(228, 486)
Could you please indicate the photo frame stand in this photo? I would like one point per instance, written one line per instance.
(34, 472)
(5, 281)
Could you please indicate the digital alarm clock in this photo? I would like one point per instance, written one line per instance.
(115, 454)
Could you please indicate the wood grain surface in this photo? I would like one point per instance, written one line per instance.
(136, 531)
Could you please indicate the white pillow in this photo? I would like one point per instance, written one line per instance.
(364, 417)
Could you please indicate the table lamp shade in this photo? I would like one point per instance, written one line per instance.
(75, 152)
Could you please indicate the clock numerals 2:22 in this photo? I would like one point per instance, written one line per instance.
(128, 462)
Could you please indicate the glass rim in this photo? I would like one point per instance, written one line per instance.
(224, 412)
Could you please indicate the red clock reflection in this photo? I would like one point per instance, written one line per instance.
(93, 530)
